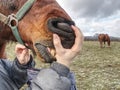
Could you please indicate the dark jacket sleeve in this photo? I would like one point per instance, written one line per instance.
(53, 78)
(18, 72)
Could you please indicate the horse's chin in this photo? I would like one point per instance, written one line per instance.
(46, 52)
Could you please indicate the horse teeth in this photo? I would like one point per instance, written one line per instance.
(52, 51)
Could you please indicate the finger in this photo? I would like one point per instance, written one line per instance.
(24, 56)
(19, 48)
(20, 45)
(78, 40)
(57, 42)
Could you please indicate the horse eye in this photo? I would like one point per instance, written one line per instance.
(12, 7)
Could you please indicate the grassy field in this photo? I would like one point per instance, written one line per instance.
(95, 68)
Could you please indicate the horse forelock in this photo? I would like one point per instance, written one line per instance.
(6, 3)
(9, 4)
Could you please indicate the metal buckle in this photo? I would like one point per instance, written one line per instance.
(12, 20)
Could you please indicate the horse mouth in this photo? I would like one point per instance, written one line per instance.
(62, 27)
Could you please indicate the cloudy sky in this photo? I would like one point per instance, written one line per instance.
(94, 16)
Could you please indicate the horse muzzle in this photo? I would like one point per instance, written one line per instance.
(62, 28)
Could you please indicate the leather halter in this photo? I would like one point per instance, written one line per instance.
(16, 18)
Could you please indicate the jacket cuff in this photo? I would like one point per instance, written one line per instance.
(30, 64)
(60, 69)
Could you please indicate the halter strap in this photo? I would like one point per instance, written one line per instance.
(3, 18)
(24, 9)
(15, 18)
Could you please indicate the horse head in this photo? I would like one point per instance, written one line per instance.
(37, 26)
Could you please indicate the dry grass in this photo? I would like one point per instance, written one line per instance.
(98, 69)
(95, 68)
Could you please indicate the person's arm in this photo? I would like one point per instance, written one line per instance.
(56, 77)
(22, 62)
(19, 72)
(53, 78)
(15, 71)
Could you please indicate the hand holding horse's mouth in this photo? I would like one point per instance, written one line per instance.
(63, 29)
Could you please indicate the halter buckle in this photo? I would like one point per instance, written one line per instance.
(12, 20)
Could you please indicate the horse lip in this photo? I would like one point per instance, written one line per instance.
(55, 24)
(62, 27)
(44, 53)
(59, 20)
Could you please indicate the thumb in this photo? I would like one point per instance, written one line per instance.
(57, 42)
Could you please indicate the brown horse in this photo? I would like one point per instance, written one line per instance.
(39, 22)
(104, 38)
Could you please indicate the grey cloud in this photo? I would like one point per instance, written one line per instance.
(94, 16)
(93, 8)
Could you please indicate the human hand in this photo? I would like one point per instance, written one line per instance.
(66, 56)
(22, 54)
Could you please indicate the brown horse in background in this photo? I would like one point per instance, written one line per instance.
(37, 26)
(104, 38)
